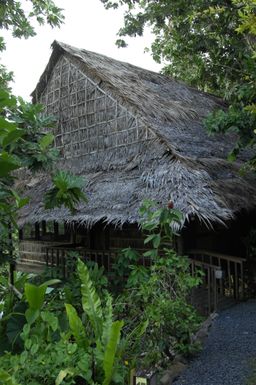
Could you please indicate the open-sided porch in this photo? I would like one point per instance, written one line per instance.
(57, 248)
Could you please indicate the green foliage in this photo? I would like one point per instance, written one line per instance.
(198, 40)
(20, 21)
(76, 326)
(251, 380)
(87, 350)
(210, 44)
(125, 261)
(90, 300)
(90, 345)
(158, 295)
(21, 145)
(110, 351)
(23, 141)
(103, 333)
(67, 191)
(6, 379)
(12, 309)
(19, 311)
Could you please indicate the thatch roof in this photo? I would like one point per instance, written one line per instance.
(178, 160)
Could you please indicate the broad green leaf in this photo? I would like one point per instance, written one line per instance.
(7, 379)
(156, 241)
(110, 352)
(76, 325)
(151, 253)
(31, 315)
(6, 166)
(46, 141)
(67, 191)
(178, 214)
(34, 349)
(50, 319)
(35, 295)
(14, 327)
(50, 282)
(7, 126)
(20, 202)
(149, 238)
(6, 99)
(154, 238)
(12, 136)
(62, 374)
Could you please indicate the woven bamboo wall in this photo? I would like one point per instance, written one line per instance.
(89, 120)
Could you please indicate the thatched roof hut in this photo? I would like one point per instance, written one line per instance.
(134, 134)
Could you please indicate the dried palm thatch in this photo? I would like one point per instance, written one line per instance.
(134, 134)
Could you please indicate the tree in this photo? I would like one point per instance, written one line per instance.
(14, 16)
(210, 44)
(23, 141)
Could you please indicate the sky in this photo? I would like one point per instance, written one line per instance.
(87, 25)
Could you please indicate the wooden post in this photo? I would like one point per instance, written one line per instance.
(20, 234)
(47, 257)
(43, 228)
(52, 258)
(215, 294)
(37, 231)
(242, 279)
(192, 268)
(57, 260)
(73, 234)
(209, 289)
(236, 283)
(180, 245)
(56, 230)
(229, 278)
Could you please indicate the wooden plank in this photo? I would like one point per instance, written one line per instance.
(218, 255)
(203, 264)
(215, 293)
(229, 277)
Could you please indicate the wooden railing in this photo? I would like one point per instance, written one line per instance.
(205, 297)
(223, 276)
(63, 259)
(60, 258)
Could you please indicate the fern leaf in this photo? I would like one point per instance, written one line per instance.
(110, 352)
(90, 300)
(108, 321)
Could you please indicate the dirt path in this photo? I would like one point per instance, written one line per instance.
(227, 355)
